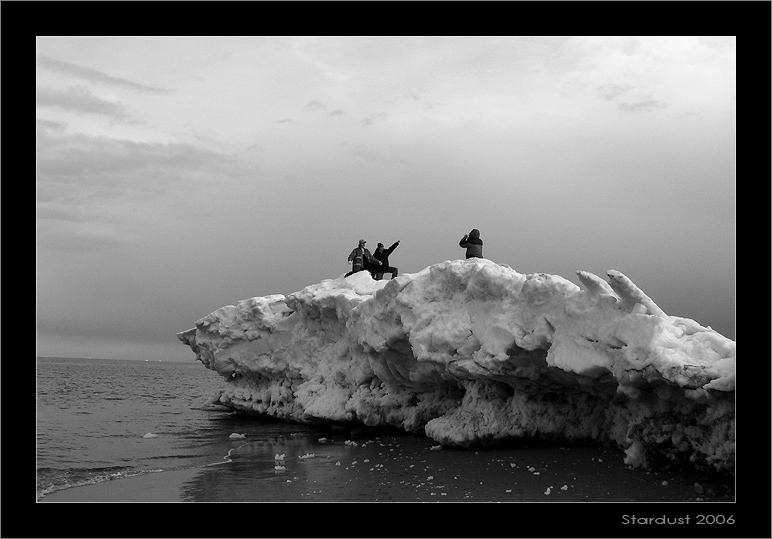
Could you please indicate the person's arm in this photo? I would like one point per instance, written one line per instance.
(371, 258)
(390, 249)
(462, 243)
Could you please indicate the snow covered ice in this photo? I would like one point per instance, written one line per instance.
(471, 352)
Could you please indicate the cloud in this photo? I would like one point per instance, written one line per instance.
(374, 117)
(94, 192)
(94, 75)
(52, 126)
(610, 92)
(613, 92)
(337, 112)
(81, 225)
(75, 158)
(80, 100)
(313, 106)
(646, 105)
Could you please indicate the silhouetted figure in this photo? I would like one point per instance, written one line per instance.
(360, 258)
(383, 255)
(472, 243)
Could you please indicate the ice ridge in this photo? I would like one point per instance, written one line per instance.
(471, 352)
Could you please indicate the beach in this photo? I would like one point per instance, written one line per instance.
(402, 468)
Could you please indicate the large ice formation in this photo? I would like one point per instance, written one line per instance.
(471, 352)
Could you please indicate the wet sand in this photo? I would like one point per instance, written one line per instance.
(405, 469)
(545, 491)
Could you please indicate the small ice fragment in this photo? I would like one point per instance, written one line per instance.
(531, 469)
(564, 487)
(150, 435)
(536, 473)
(547, 492)
(322, 440)
(236, 436)
(664, 483)
(306, 456)
(512, 464)
(279, 468)
(279, 457)
(435, 447)
(508, 490)
(337, 463)
(430, 478)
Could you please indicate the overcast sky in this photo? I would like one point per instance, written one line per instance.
(179, 175)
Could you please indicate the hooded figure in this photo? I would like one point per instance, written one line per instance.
(472, 243)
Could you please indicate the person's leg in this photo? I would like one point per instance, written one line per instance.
(391, 269)
(371, 270)
(378, 276)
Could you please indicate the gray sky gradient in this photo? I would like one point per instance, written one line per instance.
(179, 175)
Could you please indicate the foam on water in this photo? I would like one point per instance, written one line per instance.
(52, 480)
(101, 420)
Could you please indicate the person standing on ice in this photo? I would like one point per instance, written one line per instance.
(360, 257)
(472, 243)
(383, 255)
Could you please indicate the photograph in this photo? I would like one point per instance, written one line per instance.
(341, 270)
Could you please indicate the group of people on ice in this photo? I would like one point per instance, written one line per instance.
(378, 263)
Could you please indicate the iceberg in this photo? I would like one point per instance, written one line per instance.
(472, 353)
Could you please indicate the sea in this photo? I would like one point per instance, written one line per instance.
(105, 420)
(102, 419)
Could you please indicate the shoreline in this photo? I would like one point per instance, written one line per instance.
(403, 469)
(165, 486)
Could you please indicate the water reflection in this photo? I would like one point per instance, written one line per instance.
(404, 468)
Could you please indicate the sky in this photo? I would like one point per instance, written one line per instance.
(178, 175)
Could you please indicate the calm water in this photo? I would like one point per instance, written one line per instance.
(93, 414)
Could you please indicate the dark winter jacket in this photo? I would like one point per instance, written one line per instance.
(383, 256)
(472, 243)
(358, 256)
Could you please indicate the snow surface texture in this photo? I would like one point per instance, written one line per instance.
(472, 352)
